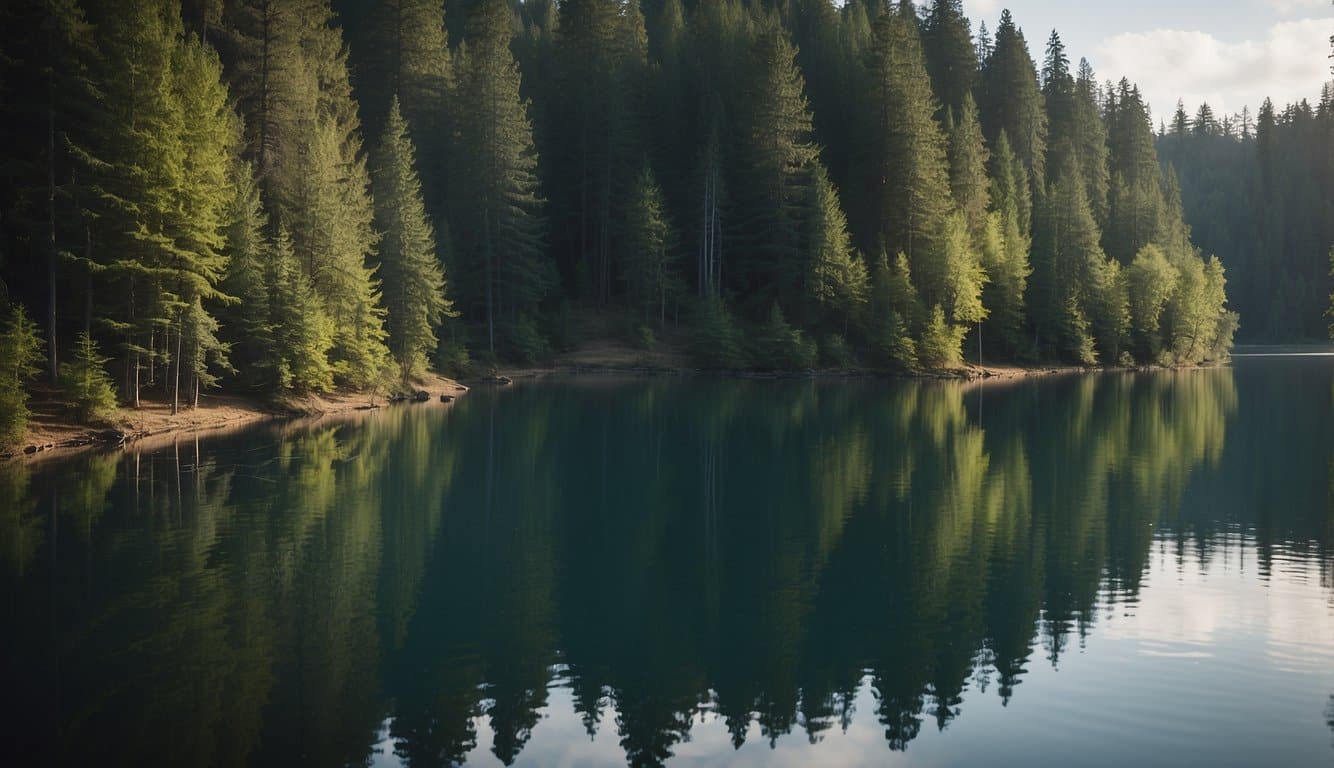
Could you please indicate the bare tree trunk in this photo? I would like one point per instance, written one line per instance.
(176, 385)
(52, 358)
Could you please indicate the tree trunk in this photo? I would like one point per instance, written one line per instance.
(52, 359)
(176, 385)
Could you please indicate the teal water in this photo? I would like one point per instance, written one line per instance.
(1114, 569)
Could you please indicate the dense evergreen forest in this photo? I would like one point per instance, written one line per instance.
(1258, 190)
(291, 196)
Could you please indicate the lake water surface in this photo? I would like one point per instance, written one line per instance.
(1114, 569)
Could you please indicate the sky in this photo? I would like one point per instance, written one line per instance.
(1231, 53)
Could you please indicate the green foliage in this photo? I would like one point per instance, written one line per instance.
(778, 346)
(20, 353)
(411, 276)
(1197, 323)
(964, 274)
(645, 339)
(950, 58)
(907, 171)
(1004, 256)
(1108, 309)
(1150, 282)
(524, 340)
(1069, 283)
(941, 342)
(452, 358)
(1136, 206)
(85, 383)
(837, 283)
(247, 324)
(225, 214)
(715, 341)
(1011, 102)
(835, 352)
(968, 166)
(303, 331)
(408, 61)
(895, 346)
(650, 250)
(775, 177)
(501, 271)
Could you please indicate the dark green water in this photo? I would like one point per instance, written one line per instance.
(1122, 569)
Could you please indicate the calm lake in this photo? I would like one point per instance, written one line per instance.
(1115, 569)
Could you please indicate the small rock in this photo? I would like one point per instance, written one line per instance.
(446, 398)
(30, 449)
(421, 396)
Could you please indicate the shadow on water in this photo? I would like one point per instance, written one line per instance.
(662, 549)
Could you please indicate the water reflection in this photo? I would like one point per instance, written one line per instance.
(783, 558)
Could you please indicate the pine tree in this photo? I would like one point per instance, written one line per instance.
(950, 56)
(777, 153)
(907, 169)
(410, 61)
(203, 199)
(964, 275)
(940, 343)
(502, 272)
(650, 247)
(85, 383)
(1180, 123)
(1135, 198)
(248, 327)
(268, 74)
(836, 280)
(1069, 272)
(130, 160)
(412, 278)
(1004, 257)
(968, 167)
(20, 353)
(159, 168)
(303, 331)
(48, 101)
(601, 55)
(1090, 141)
(1011, 102)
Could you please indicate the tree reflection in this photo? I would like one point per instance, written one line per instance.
(662, 548)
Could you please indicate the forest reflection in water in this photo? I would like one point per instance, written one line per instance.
(775, 561)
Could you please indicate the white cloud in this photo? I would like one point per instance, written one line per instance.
(1288, 64)
(1295, 7)
(983, 9)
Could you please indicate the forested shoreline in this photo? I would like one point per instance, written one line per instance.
(237, 193)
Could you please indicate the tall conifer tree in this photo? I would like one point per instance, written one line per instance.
(412, 278)
(502, 271)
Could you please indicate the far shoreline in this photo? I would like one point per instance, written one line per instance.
(52, 435)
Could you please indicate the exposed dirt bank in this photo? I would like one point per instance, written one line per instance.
(51, 432)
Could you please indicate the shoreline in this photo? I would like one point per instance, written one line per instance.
(50, 433)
